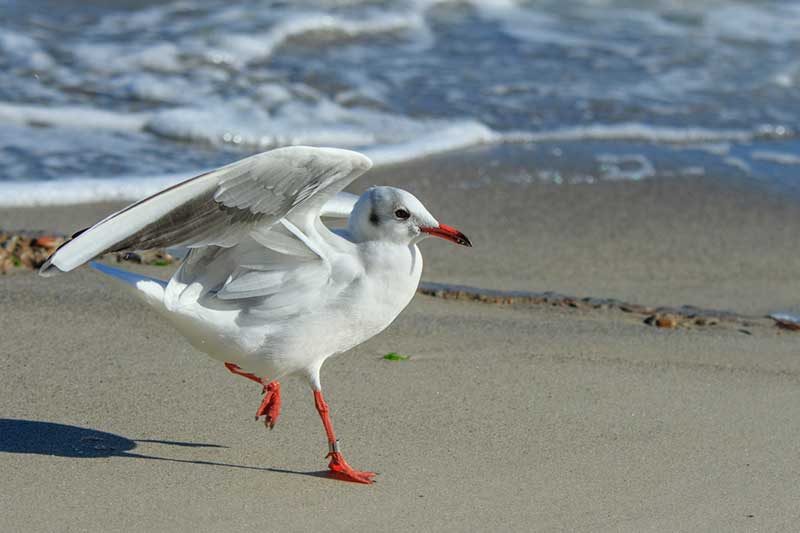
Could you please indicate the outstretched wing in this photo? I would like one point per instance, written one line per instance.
(222, 206)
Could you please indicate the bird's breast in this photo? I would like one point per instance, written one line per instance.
(390, 279)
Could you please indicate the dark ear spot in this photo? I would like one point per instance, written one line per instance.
(373, 217)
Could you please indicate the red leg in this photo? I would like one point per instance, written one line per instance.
(238, 371)
(270, 406)
(339, 467)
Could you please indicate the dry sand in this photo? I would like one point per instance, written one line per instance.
(524, 418)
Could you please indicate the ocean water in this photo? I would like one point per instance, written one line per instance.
(116, 99)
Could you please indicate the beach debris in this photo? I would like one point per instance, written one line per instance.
(788, 325)
(28, 250)
(671, 320)
(686, 316)
(786, 321)
(25, 249)
(391, 356)
(706, 321)
(662, 321)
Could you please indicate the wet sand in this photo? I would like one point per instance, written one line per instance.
(506, 417)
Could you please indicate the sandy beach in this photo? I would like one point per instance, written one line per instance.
(510, 417)
(618, 351)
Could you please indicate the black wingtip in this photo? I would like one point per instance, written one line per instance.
(48, 269)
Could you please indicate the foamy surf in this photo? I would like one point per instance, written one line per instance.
(116, 94)
(76, 190)
(413, 141)
(77, 117)
(327, 123)
(632, 131)
(84, 190)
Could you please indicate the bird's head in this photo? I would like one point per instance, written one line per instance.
(391, 214)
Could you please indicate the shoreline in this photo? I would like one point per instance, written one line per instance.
(655, 315)
(670, 241)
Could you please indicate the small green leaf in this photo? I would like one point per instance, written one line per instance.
(395, 357)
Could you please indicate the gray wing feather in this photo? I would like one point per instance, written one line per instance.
(220, 207)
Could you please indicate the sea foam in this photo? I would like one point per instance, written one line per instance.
(148, 90)
(387, 139)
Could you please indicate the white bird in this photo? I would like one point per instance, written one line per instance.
(266, 287)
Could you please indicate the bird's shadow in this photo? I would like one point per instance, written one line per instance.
(49, 438)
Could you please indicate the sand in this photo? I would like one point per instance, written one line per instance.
(526, 418)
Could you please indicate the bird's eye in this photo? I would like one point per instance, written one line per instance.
(402, 214)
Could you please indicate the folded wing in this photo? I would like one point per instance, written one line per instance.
(272, 274)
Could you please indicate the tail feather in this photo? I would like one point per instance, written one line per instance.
(151, 289)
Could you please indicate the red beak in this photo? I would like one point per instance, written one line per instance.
(446, 232)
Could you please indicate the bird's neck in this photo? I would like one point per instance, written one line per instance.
(390, 259)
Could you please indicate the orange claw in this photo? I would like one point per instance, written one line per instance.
(271, 404)
(343, 471)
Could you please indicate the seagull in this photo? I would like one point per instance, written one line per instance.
(266, 287)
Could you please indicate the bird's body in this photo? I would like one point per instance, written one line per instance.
(368, 288)
(266, 287)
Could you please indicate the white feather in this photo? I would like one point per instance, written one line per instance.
(220, 207)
